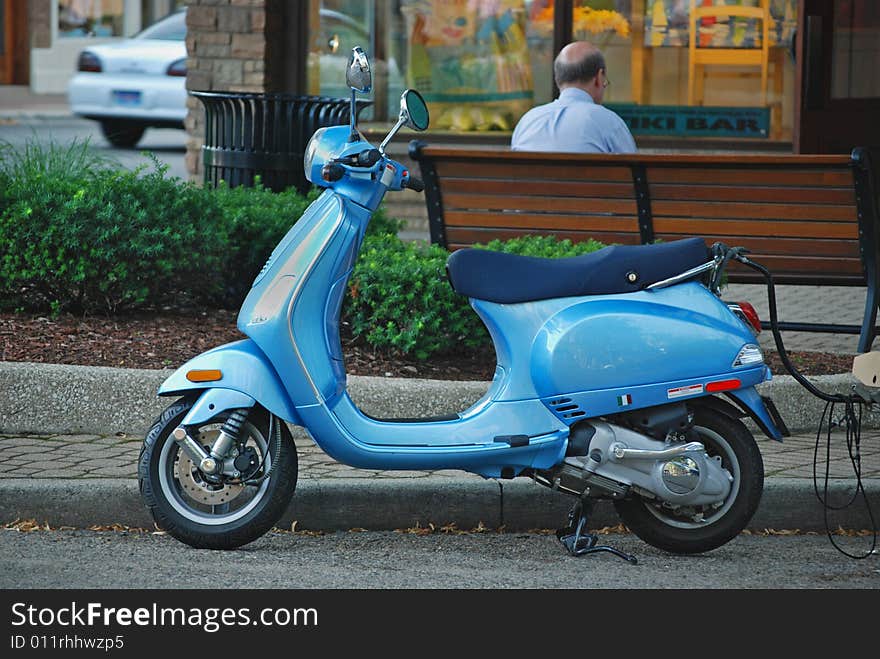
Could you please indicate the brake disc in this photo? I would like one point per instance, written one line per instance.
(194, 483)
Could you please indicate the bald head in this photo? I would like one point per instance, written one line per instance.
(577, 64)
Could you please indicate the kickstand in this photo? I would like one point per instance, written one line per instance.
(577, 541)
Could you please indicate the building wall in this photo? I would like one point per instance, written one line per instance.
(230, 46)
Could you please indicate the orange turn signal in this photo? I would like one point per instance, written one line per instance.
(210, 375)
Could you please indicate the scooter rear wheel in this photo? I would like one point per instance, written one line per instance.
(212, 515)
(690, 531)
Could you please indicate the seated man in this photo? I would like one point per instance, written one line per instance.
(576, 121)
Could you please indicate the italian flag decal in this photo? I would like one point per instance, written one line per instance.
(623, 401)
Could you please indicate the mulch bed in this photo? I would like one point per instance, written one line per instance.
(167, 340)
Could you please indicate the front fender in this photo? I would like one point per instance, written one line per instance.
(245, 369)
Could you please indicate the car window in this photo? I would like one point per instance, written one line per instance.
(170, 28)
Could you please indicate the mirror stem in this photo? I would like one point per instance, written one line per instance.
(390, 136)
(353, 136)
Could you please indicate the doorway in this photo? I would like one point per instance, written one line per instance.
(838, 50)
(14, 47)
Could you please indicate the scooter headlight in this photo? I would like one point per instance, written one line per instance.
(749, 354)
(309, 156)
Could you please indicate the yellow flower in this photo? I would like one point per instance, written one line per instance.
(598, 21)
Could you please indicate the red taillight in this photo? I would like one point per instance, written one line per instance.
(177, 68)
(719, 385)
(751, 315)
(746, 312)
(88, 62)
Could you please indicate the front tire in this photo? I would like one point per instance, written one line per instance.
(678, 531)
(206, 515)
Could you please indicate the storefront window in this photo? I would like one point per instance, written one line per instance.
(653, 68)
(482, 63)
(472, 59)
(90, 18)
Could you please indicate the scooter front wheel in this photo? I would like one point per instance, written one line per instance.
(216, 512)
(689, 530)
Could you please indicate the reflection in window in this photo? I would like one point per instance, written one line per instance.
(90, 18)
(608, 25)
(471, 61)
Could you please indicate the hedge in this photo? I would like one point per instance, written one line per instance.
(79, 234)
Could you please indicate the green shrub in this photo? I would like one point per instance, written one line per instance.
(91, 240)
(548, 247)
(400, 299)
(80, 234)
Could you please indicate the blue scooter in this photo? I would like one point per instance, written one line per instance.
(608, 366)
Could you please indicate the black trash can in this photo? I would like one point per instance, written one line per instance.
(265, 135)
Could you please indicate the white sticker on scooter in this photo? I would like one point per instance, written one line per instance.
(679, 392)
(388, 175)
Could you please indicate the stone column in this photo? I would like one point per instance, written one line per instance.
(229, 46)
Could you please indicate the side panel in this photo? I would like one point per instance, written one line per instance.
(607, 342)
(550, 348)
(291, 312)
(245, 369)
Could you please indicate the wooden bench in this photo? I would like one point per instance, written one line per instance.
(810, 219)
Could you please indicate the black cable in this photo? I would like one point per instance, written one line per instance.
(853, 421)
(853, 438)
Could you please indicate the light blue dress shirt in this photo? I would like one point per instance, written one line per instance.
(572, 123)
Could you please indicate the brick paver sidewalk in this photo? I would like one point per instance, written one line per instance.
(95, 456)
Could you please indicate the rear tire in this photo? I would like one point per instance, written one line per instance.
(122, 134)
(175, 491)
(729, 438)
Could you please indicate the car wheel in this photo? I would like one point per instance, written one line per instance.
(122, 134)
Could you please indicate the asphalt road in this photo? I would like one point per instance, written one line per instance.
(88, 559)
(169, 145)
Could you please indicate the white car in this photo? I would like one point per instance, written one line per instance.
(134, 84)
(141, 82)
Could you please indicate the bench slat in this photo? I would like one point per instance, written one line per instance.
(763, 245)
(792, 229)
(547, 204)
(761, 211)
(467, 236)
(529, 172)
(669, 192)
(759, 177)
(582, 189)
(545, 222)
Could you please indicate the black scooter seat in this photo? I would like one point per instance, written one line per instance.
(511, 278)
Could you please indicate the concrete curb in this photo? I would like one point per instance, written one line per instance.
(397, 503)
(55, 398)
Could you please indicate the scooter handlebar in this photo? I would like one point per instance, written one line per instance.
(414, 183)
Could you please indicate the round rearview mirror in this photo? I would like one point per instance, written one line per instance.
(414, 110)
(357, 75)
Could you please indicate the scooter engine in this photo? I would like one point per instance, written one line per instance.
(611, 461)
